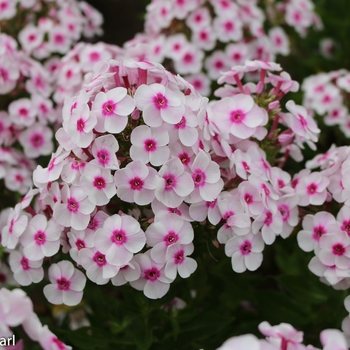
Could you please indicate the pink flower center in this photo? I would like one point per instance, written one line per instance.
(338, 249)
(108, 108)
(179, 257)
(136, 184)
(99, 182)
(25, 263)
(211, 204)
(184, 157)
(219, 64)
(118, 237)
(59, 39)
(170, 182)
(40, 237)
(280, 183)
(94, 56)
(171, 238)
(346, 226)
(198, 178)
(268, 218)
(284, 210)
(103, 156)
(245, 247)
(188, 58)
(236, 56)
(248, 198)
(237, 116)
(23, 112)
(72, 205)
(37, 140)
(80, 244)
(150, 145)
(245, 166)
(152, 274)
(100, 259)
(63, 284)
(181, 124)
(175, 211)
(3, 5)
(318, 232)
(229, 26)
(312, 188)
(19, 178)
(203, 35)
(4, 74)
(160, 101)
(81, 125)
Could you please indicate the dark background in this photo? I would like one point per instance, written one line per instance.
(122, 19)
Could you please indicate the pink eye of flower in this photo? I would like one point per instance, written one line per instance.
(245, 166)
(179, 257)
(185, 159)
(72, 205)
(199, 178)
(338, 249)
(188, 58)
(203, 35)
(4, 74)
(219, 64)
(40, 238)
(346, 226)
(136, 183)
(171, 238)
(280, 183)
(81, 124)
(37, 140)
(25, 263)
(229, 26)
(59, 39)
(268, 218)
(175, 211)
(181, 124)
(266, 190)
(245, 248)
(318, 232)
(284, 210)
(311, 189)
(108, 108)
(170, 181)
(236, 116)
(118, 237)
(19, 178)
(99, 182)
(94, 56)
(150, 145)
(23, 112)
(80, 244)
(248, 198)
(236, 56)
(103, 156)
(63, 284)
(160, 101)
(152, 274)
(100, 259)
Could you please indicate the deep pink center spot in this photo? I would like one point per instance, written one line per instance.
(37, 140)
(72, 205)
(171, 238)
(108, 108)
(237, 116)
(100, 259)
(170, 181)
(338, 249)
(179, 257)
(99, 182)
(152, 274)
(199, 178)
(136, 184)
(80, 244)
(63, 284)
(25, 263)
(318, 232)
(40, 237)
(150, 145)
(118, 237)
(160, 101)
(245, 247)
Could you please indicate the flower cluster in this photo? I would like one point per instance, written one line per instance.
(138, 138)
(284, 337)
(17, 309)
(204, 38)
(326, 95)
(46, 27)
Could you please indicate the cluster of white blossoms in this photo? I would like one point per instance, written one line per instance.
(143, 158)
(17, 309)
(203, 38)
(326, 94)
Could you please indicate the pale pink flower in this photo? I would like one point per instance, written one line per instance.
(112, 109)
(136, 183)
(119, 239)
(104, 149)
(67, 284)
(128, 273)
(174, 183)
(270, 225)
(245, 252)
(21, 112)
(190, 61)
(41, 238)
(149, 145)
(152, 281)
(158, 103)
(228, 27)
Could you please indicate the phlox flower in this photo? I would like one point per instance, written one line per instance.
(22, 112)
(245, 252)
(136, 183)
(158, 103)
(152, 281)
(160, 210)
(174, 183)
(128, 273)
(75, 209)
(98, 269)
(250, 198)
(270, 225)
(190, 61)
(165, 232)
(41, 238)
(149, 145)
(177, 261)
(288, 207)
(238, 115)
(67, 284)
(206, 178)
(78, 240)
(104, 149)
(98, 184)
(119, 239)
(112, 109)
(201, 210)
(25, 270)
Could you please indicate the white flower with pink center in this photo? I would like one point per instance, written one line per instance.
(36, 140)
(314, 227)
(119, 239)
(245, 252)
(160, 210)
(128, 273)
(190, 61)
(98, 269)
(112, 109)
(25, 271)
(78, 240)
(104, 150)
(186, 128)
(149, 145)
(158, 103)
(166, 231)
(98, 184)
(250, 198)
(41, 238)
(238, 115)
(270, 225)
(136, 183)
(75, 209)
(152, 281)
(312, 189)
(288, 207)
(206, 178)
(21, 112)
(335, 250)
(9, 73)
(177, 261)
(80, 126)
(228, 28)
(174, 183)
(67, 284)
(343, 219)
(201, 210)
